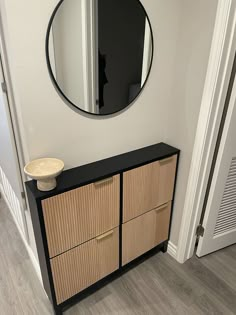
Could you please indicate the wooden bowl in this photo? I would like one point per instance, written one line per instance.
(45, 172)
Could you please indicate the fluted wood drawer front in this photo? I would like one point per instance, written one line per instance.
(79, 215)
(84, 265)
(166, 179)
(148, 187)
(145, 232)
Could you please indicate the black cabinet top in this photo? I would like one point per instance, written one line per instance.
(86, 174)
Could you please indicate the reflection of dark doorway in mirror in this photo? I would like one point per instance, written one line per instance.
(102, 77)
(121, 31)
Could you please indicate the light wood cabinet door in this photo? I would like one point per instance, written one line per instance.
(79, 215)
(145, 232)
(84, 265)
(148, 187)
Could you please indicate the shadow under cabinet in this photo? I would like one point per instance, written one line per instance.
(101, 218)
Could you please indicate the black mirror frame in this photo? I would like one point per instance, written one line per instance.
(57, 87)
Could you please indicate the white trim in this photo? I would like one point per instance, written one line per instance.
(90, 54)
(172, 250)
(28, 248)
(14, 137)
(215, 90)
(147, 52)
(52, 56)
(14, 101)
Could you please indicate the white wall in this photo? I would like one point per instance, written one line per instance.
(167, 110)
(194, 43)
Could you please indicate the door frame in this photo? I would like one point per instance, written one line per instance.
(215, 90)
(13, 118)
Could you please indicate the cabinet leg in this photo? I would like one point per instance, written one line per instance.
(58, 311)
(164, 248)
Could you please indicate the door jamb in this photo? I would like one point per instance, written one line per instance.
(214, 94)
(14, 119)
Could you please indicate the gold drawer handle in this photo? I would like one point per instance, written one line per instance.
(104, 181)
(166, 160)
(162, 207)
(99, 238)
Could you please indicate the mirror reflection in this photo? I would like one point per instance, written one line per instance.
(100, 53)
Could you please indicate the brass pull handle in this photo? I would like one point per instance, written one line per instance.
(104, 181)
(101, 237)
(166, 160)
(162, 207)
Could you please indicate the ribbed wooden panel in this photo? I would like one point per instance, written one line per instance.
(82, 266)
(140, 190)
(167, 180)
(79, 215)
(145, 232)
(226, 220)
(147, 187)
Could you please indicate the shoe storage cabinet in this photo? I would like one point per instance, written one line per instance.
(101, 219)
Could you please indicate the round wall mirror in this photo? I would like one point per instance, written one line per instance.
(99, 53)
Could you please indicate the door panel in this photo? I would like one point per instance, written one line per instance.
(81, 214)
(167, 179)
(8, 159)
(82, 266)
(220, 216)
(10, 175)
(145, 232)
(148, 187)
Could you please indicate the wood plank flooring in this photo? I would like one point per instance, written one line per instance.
(160, 285)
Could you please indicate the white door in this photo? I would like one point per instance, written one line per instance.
(220, 216)
(10, 177)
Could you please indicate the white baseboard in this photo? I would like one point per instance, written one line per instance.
(172, 250)
(28, 248)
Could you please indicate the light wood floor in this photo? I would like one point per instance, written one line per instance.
(158, 286)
